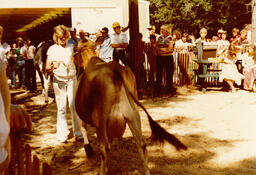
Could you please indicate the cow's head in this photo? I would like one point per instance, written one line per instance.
(84, 52)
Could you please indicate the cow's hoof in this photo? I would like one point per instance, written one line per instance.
(88, 150)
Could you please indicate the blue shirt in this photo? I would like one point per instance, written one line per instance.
(106, 50)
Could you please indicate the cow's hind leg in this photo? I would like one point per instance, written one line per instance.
(135, 127)
(104, 151)
(133, 119)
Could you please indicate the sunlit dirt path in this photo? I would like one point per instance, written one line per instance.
(218, 127)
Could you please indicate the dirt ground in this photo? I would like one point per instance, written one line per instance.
(218, 127)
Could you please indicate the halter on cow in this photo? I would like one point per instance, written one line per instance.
(105, 98)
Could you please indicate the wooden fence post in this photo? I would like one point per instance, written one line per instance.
(36, 165)
(28, 160)
(20, 153)
(12, 162)
(46, 169)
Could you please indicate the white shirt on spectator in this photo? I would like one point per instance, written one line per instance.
(106, 50)
(31, 52)
(119, 39)
(64, 56)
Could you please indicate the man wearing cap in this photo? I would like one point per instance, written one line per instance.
(119, 43)
(106, 49)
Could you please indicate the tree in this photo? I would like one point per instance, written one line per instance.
(191, 15)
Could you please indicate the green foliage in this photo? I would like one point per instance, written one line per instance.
(191, 15)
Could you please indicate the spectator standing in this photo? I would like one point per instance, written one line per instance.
(20, 65)
(219, 34)
(151, 51)
(119, 42)
(73, 40)
(249, 69)
(222, 45)
(60, 62)
(235, 38)
(28, 53)
(203, 34)
(164, 59)
(105, 49)
(243, 38)
(182, 44)
(140, 72)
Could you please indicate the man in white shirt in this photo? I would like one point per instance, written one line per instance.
(28, 53)
(119, 42)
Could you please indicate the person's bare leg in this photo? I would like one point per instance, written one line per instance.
(231, 84)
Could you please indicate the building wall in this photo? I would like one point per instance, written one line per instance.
(95, 17)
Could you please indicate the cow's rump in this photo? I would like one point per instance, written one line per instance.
(99, 92)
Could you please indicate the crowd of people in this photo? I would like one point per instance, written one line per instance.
(158, 50)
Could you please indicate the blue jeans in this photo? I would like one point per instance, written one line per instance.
(20, 70)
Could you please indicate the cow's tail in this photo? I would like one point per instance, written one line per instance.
(158, 134)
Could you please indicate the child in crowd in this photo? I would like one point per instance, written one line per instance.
(236, 37)
(249, 69)
(182, 44)
(203, 34)
(229, 71)
(222, 45)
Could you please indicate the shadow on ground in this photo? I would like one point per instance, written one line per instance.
(69, 158)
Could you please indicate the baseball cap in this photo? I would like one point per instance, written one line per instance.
(116, 24)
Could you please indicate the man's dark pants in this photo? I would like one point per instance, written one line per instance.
(30, 72)
(120, 55)
(167, 63)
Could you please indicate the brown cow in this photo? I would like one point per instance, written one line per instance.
(105, 98)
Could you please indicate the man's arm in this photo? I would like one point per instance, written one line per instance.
(123, 45)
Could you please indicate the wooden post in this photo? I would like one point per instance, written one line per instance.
(46, 169)
(12, 162)
(20, 153)
(36, 165)
(28, 152)
(134, 32)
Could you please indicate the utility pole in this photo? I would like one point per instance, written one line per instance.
(134, 32)
(253, 3)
